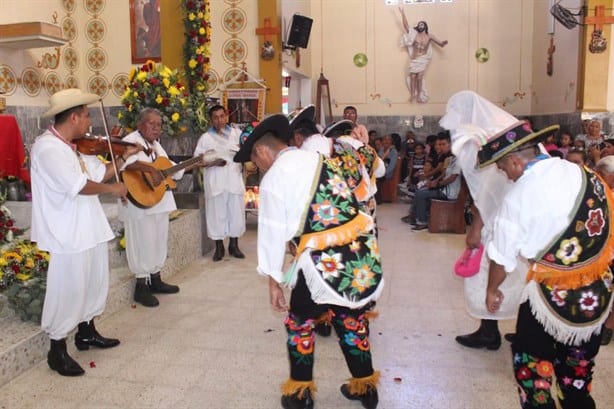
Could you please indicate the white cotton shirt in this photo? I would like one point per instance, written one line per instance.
(63, 221)
(285, 191)
(167, 204)
(319, 144)
(221, 179)
(535, 211)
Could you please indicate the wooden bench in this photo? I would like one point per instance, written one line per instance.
(390, 186)
(448, 216)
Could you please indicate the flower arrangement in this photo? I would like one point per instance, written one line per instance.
(197, 52)
(21, 262)
(156, 86)
(8, 230)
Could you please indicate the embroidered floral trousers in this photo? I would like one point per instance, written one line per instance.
(538, 357)
(351, 326)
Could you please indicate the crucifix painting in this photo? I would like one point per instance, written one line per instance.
(145, 30)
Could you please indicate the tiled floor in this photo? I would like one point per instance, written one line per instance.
(217, 344)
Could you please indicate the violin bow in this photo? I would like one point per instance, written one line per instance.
(106, 131)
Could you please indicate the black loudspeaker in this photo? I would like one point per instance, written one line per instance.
(299, 31)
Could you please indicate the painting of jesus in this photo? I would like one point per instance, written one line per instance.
(145, 30)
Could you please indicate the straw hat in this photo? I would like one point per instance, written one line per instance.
(68, 98)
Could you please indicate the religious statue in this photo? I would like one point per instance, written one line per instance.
(418, 42)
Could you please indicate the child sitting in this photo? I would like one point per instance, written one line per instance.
(416, 166)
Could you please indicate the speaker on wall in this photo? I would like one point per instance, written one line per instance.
(299, 31)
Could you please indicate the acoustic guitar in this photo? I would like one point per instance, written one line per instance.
(141, 190)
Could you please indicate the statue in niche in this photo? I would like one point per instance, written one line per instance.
(418, 42)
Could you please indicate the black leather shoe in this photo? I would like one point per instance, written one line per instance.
(88, 336)
(293, 401)
(323, 329)
(606, 336)
(143, 295)
(219, 250)
(158, 286)
(369, 400)
(409, 219)
(233, 248)
(510, 336)
(478, 339)
(59, 360)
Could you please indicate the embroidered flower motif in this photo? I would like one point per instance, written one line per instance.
(580, 370)
(578, 383)
(523, 373)
(354, 246)
(544, 369)
(372, 245)
(527, 127)
(541, 397)
(598, 188)
(340, 188)
(558, 297)
(351, 338)
(363, 277)
(305, 345)
(595, 223)
(350, 164)
(567, 380)
(325, 213)
(588, 301)
(363, 345)
(350, 323)
(541, 384)
(330, 264)
(569, 251)
(511, 136)
(590, 203)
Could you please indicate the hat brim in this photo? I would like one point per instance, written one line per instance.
(73, 101)
(276, 124)
(306, 114)
(342, 127)
(487, 157)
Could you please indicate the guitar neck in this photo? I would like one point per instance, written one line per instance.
(183, 165)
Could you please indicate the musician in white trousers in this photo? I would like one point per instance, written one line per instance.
(68, 221)
(146, 229)
(223, 184)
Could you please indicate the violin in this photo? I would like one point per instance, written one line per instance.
(91, 145)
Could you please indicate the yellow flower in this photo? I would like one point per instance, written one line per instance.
(166, 82)
(122, 242)
(130, 108)
(29, 263)
(175, 117)
(126, 93)
(120, 115)
(135, 94)
(131, 75)
(200, 15)
(22, 276)
(183, 101)
(3, 262)
(200, 87)
(141, 76)
(159, 99)
(191, 16)
(201, 31)
(166, 72)
(192, 63)
(174, 91)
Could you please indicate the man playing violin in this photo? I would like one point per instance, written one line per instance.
(68, 221)
(147, 228)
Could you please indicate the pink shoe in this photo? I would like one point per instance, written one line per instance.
(468, 264)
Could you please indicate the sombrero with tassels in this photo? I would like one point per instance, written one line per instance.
(516, 137)
(276, 124)
(343, 127)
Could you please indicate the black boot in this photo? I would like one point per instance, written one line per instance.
(233, 248)
(158, 286)
(219, 250)
(487, 336)
(294, 402)
(606, 335)
(142, 294)
(369, 400)
(59, 360)
(87, 336)
(323, 329)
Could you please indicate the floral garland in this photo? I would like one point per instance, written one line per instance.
(197, 52)
(156, 86)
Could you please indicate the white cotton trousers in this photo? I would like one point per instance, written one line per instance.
(77, 288)
(225, 215)
(146, 243)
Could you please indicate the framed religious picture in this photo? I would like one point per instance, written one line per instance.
(244, 105)
(145, 30)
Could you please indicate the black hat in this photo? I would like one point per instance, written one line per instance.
(343, 127)
(509, 140)
(276, 124)
(307, 114)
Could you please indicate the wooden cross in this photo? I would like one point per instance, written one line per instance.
(268, 29)
(599, 19)
(550, 64)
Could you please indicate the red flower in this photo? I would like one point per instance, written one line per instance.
(594, 224)
(154, 81)
(9, 223)
(523, 373)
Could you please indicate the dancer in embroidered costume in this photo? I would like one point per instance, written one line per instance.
(557, 215)
(305, 199)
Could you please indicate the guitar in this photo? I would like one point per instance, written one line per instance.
(141, 190)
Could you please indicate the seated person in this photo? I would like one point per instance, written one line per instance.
(565, 142)
(577, 156)
(423, 180)
(446, 187)
(416, 166)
